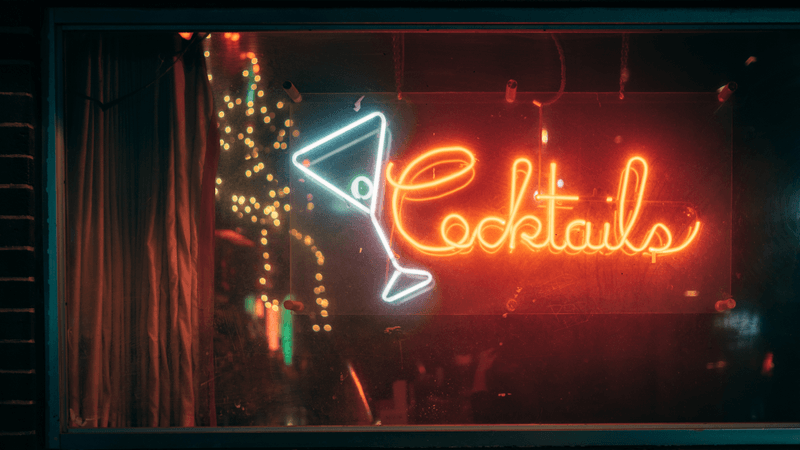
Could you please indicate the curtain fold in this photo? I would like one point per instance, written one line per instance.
(140, 185)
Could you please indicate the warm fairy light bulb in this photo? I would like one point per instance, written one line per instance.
(245, 73)
(254, 219)
(318, 277)
(253, 87)
(227, 98)
(207, 54)
(282, 133)
(263, 109)
(257, 205)
(248, 174)
(296, 133)
(288, 123)
(235, 208)
(544, 136)
(238, 101)
(315, 328)
(222, 114)
(267, 267)
(241, 200)
(219, 180)
(276, 145)
(324, 303)
(272, 194)
(249, 130)
(286, 207)
(210, 77)
(323, 313)
(310, 206)
(279, 105)
(226, 146)
(235, 198)
(267, 119)
(257, 78)
(327, 327)
(230, 105)
(261, 94)
(263, 241)
(286, 190)
(277, 222)
(228, 130)
(264, 232)
(250, 103)
(264, 297)
(262, 280)
(269, 177)
(265, 255)
(283, 146)
(247, 209)
(240, 136)
(277, 204)
(252, 200)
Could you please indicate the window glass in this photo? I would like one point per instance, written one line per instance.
(476, 228)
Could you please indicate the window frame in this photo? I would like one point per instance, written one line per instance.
(597, 19)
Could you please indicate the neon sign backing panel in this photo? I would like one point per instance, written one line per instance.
(593, 142)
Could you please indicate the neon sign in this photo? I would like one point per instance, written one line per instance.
(577, 237)
(416, 280)
(456, 170)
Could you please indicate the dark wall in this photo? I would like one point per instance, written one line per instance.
(20, 245)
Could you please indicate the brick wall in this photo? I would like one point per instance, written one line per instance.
(20, 299)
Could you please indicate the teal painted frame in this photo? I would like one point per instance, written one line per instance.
(599, 19)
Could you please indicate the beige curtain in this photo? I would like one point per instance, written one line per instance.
(141, 158)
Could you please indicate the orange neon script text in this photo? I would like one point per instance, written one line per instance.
(492, 233)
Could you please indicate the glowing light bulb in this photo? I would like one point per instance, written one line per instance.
(286, 190)
(315, 328)
(235, 208)
(318, 277)
(245, 73)
(269, 177)
(327, 327)
(240, 136)
(288, 123)
(262, 280)
(207, 54)
(254, 219)
(277, 222)
(230, 105)
(279, 105)
(310, 206)
(238, 101)
(296, 133)
(247, 209)
(276, 145)
(226, 146)
(264, 297)
(323, 313)
(282, 132)
(221, 113)
(267, 119)
(250, 103)
(263, 109)
(210, 77)
(248, 174)
(257, 78)
(265, 255)
(324, 303)
(241, 200)
(263, 241)
(560, 183)
(261, 94)
(544, 136)
(267, 267)
(227, 98)
(283, 146)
